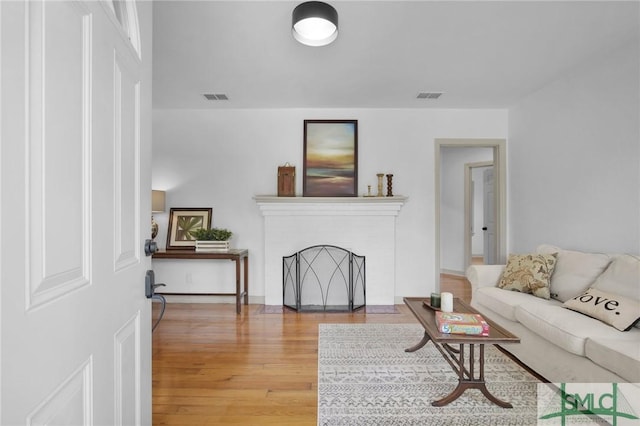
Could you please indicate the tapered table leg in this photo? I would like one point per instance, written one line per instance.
(424, 341)
(467, 378)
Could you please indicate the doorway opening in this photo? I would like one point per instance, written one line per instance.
(448, 212)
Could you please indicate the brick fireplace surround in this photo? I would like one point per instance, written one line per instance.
(364, 225)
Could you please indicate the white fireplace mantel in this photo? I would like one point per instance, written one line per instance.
(330, 206)
(364, 225)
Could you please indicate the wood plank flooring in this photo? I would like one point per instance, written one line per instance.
(212, 367)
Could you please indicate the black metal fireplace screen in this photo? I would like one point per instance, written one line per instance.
(323, 278)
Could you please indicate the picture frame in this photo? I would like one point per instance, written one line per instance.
(330, 166)
(183, 222)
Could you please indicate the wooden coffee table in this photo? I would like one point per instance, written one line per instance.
(468, 377)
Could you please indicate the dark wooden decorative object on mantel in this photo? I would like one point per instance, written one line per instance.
(286, 181)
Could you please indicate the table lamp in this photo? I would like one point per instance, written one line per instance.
(157, 206)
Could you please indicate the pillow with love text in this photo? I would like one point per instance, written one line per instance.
(618, 311)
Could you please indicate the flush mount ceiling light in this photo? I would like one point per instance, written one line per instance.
(314, 23)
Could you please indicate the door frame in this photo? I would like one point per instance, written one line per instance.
(500, 169)
(468, 203)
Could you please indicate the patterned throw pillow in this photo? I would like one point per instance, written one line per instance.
(618, 311)
(529, 273)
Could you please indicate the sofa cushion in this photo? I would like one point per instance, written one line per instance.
(575, 271)
(621, 277)
(620, 356)
(612, 309)
(563, 327)
(505, 302)
(528, 273)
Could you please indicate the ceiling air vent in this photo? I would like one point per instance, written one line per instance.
(216, 97)
(429, 95)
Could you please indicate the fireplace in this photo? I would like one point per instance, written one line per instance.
(323, 278)
(364, 225)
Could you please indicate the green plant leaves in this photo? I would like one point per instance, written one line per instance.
(213, 234)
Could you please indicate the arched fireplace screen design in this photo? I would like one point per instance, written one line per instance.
(323, 278)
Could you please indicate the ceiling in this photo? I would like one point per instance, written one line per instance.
(479, 54)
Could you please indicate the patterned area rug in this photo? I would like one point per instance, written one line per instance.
(366, 378)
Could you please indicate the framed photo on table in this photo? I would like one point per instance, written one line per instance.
(330, 158)
(183, 223)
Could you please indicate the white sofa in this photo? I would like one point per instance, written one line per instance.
(558, 343)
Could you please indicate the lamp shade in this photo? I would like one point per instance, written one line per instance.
(314, 23)
(157, 201)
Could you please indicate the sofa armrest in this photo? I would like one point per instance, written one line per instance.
(484, 275)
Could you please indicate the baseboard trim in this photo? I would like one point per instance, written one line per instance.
(452, 272)
(201, 298)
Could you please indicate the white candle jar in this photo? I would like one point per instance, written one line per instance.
(446, 302)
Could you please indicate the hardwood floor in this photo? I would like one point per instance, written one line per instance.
(212, 367)
(457, 285)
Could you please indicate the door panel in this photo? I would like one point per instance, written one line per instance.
(76, 327)
(127, 373)
(126, 161)
(57, 150)
(489, 229)
(70, 404)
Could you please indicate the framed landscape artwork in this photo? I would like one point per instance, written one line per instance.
(183, 222)
(330, 166)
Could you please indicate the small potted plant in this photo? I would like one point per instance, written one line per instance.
(213, 239)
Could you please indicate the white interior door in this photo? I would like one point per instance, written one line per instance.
(474, 210)
(75, 342)
(489, 229)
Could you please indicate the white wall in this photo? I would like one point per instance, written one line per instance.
(574, 159)
(222, 158)
(453, 161)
